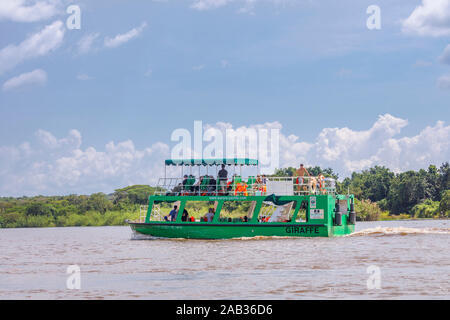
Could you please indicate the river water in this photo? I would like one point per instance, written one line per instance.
(382, 260)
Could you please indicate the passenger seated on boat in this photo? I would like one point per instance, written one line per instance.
(210, 215)
(187, 184)
(211, 187)
(176, 190)
(203, 187)
(239, 187)
(258, 183)
(229, 186)
(196, 186)
(172, 214)
(192, 219)
(185, 215)
(321, 184)
(244, 219)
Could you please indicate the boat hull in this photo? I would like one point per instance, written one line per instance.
(237, 230)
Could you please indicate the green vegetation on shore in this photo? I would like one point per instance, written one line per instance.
(383, 195)
(380, 193)
(98, 209)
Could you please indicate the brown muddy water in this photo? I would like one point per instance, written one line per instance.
(382, 260)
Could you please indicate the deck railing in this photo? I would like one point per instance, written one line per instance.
(208, 186)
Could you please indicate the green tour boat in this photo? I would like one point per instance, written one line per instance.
(222, 205)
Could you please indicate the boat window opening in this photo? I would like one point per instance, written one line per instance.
(162, 209)
(267, 209)
(237, 211)
(271, 212)
(197, 211)
(301, 215)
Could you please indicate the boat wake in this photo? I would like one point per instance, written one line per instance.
(260, 238)
(140, 236)
(398, 231)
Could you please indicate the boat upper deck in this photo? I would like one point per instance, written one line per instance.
(220, 184)
(208, 185)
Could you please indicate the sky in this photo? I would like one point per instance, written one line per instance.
(93, 108)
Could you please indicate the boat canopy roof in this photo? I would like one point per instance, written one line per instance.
(212, 162)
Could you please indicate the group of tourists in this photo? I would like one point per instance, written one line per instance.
(208, 185)
(172, 216)
(307, 183)
(208, 217)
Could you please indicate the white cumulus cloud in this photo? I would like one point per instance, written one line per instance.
(36, 77)
(38, 44)
(246, 6)
(209, 4)
(28, 11)
(431, 18)
(120, 39)
(51, 165)
(86, 43)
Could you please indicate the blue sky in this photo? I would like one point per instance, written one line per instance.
(307, 65)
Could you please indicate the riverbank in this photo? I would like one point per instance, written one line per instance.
(89, 219)
(115, 218)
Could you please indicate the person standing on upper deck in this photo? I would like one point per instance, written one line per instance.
(223, 177)
(301, 172)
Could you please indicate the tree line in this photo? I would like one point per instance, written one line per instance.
(97, 209)
(380, 194)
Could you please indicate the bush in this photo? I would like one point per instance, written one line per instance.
(386, 216)
(39, 221)
(426, 209)
(39, 209)
(444, 205)
(383, 204)
(367, 210)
